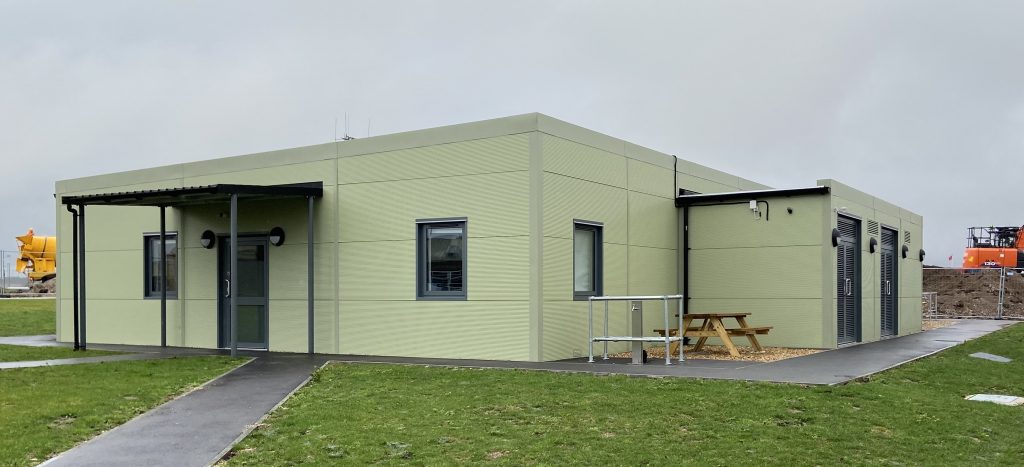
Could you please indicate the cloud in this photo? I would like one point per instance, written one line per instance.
(916, 102)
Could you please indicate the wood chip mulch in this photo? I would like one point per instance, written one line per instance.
(929, 324)
(719, 352)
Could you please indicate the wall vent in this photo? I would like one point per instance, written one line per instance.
(872, 228)
(906, 236)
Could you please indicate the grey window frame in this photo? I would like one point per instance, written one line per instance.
(598, 229)
(147, 272)
(422, 292)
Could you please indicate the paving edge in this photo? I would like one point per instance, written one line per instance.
(249, 428)
(179, 396)
(929, 354)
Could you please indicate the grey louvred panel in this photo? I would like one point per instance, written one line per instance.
(888, 276)
(872, 228)
(847, 283)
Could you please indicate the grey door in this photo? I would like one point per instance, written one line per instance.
(888, 283)
(848, 281)
(249, 286)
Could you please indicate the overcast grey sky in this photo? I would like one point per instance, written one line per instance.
(918, 102)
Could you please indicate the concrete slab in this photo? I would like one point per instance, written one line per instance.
(45, 340)
(79, 361)
(198, 428)
(990, 357)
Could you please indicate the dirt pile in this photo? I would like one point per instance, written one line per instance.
(963, 293)
(47, 286)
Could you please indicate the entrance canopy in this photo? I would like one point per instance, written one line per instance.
(194, 195)
(186, 196)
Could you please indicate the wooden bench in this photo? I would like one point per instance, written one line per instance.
(712, 326)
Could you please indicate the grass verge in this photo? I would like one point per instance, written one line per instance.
(27, 317)
(22, 353)
(915, 414)
(44, 411)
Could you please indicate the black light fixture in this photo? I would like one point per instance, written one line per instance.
(906, 249)
(208, 239)
(835, 237)
(921, 253)
(872, 245)
(277, 236)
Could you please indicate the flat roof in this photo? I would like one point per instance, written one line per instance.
(686, 200)
(197, 195)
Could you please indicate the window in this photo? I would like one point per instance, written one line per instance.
(153, 268)
(586, 260)
(441, 259)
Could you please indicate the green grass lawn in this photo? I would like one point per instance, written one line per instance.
(21, 353)
(27, 317)
(44, 411)
(915, 414)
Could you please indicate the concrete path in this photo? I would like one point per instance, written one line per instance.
(198, 428)
(80, 360)
(45, 340)
(830, 367)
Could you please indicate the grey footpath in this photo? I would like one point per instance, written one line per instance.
(198, 428)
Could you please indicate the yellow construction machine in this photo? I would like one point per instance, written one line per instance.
(37, 256)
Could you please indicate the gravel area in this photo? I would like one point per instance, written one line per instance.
(719, 352)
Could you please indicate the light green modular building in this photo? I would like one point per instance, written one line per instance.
(481, 240)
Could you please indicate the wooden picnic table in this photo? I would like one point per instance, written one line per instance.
(712, 325)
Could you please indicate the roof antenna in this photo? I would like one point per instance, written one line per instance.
(346, 137)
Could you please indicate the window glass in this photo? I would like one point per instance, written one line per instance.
(154, 267)
(586, 260)
(583, 260)
(442, 259)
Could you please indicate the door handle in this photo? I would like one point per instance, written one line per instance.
(849, 287)
(227, 288)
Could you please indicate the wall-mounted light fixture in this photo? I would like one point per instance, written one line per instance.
(921, 254)
(835, 237)
(872, 245)
(208, 239)
(277, 236)
(906, 249)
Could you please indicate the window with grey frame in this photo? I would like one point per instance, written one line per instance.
(441, 259)
(587, 269)
(153, 268)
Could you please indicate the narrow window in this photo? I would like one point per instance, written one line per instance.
(154, 268)
(586, 260)
(441, 259)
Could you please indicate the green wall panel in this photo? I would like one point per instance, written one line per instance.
(583, 162)
(491, 155)
(653, 221)
(568, 198)
(452, 329)
(496, 205)
(796, 322)
(734, 225)
(380, 270)
(775, 272)
(651, 179)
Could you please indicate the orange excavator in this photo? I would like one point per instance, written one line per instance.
(994, 247)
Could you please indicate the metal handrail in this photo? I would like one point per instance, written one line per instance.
(607, 338)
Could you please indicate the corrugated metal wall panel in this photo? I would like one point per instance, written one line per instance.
(582, 162)
(450, 329)
(491, 155)
(568, 198)
(496, 205)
